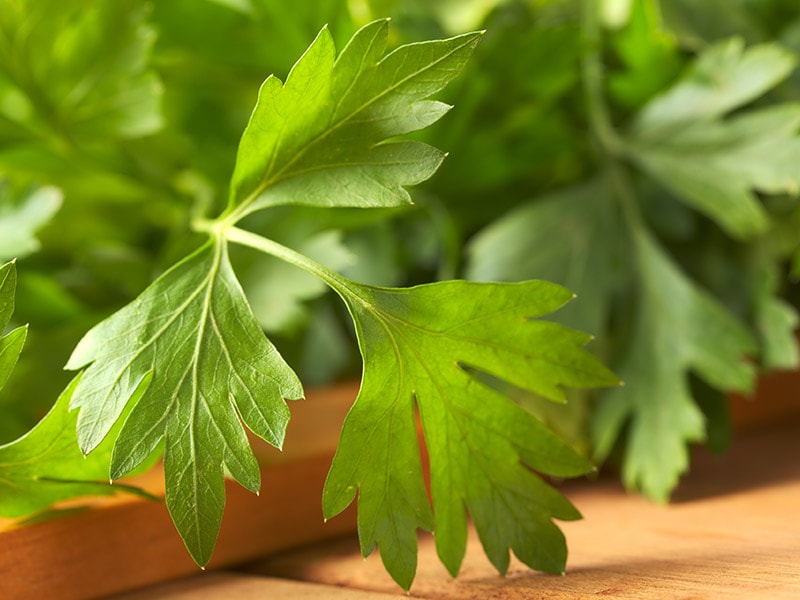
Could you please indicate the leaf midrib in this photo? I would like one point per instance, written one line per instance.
(270, 180)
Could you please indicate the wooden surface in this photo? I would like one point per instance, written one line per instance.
(122, 543)
(732, 532)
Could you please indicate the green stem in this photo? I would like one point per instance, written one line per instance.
(593, 75)
(611, 145)
(341, 285)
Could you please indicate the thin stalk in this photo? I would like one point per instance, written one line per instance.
(338, 283)
(593, 75)
(612, 147)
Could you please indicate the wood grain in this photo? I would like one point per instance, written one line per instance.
(733, 531)
(230, 586)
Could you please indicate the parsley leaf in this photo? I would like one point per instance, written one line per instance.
(188, 358)
(574, 237)
(45, 465)
(419, 346)
(319, 139)
(94, 82)
(678, 328)
(191, 346)
(11, 343)
(20, 220)
(712, 163)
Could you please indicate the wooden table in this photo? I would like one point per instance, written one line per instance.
(733, 531)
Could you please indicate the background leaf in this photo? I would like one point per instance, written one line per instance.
(21, 219)
(12, 342)
(678, 329)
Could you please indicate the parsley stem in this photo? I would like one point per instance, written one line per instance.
(246, 238)
(612, 146)
(593, 74)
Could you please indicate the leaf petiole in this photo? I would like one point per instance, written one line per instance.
(341, 285)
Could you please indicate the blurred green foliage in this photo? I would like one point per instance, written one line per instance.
(119, 122)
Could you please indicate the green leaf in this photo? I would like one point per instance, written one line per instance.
(419, 347)
(20, 220)
(649, 53)
(320, 138)
(46, 465)
(678, 329)
(11, 343)
(193, 350)
(94, 84)
(716, 164)
(777, 322)
(573, 237)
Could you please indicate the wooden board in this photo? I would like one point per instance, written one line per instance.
(123, 543)
(734, 526)
(733, 531)
(233, 586)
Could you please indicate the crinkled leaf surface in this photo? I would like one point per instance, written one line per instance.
(11, 343)
(418, 345)
(679, 328)
(714, 163)
(191, 346)
(319, 139)
(21, 219)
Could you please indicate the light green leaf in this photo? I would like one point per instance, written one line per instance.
(93, 83)
(724, 77)
(716, 164)
(320, 138)
(678, 329)
(11, 343)
(46, 465)
(419, 346)
(616, 13)
(20, 220)
(191, 346)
